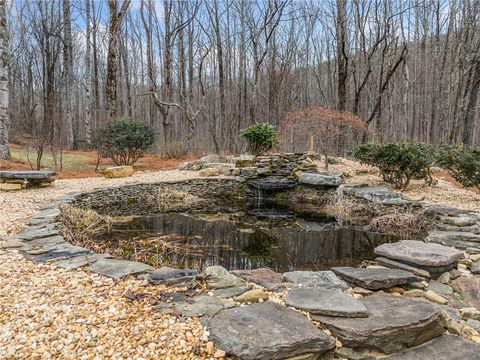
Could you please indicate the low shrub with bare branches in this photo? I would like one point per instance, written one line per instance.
(410, 226)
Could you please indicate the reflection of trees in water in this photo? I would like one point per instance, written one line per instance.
(206, 240)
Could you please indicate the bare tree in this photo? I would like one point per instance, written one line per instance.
(4, 51)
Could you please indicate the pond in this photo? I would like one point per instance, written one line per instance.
(258, 236)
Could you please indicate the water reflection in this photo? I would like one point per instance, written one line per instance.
(259, 237)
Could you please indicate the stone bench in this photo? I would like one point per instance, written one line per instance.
(17, 180)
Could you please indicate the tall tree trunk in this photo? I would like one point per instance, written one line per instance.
(342, 59)
(88, 78)
(4, 152)
(115, 25)
(469, 120)
(68, 73)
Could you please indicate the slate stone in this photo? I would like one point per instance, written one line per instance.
(231, 291)
(475, 267)
(439, 288)
(118, 269)
(329, 179)
(47, 241)
(323, 279)
(350, 354)
(469, 288)
(26, 174)
(203, 305)
(79, 261)
(325, 302)
(458, 244)
(376, 194)
(60, 251)
(218, 277)
(399, 265)
(264, 277)
(171, 276)
(38, 232)
(438, 236)
(375, 279)
(267, 331)
(442, 348)
(419, 253)
(393, 323)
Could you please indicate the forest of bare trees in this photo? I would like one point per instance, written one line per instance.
(200, 71)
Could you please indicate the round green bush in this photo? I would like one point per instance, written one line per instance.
(462, 162)
(260, 138)
(399, 162)
(124, 140)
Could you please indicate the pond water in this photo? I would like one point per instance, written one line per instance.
(253, 238)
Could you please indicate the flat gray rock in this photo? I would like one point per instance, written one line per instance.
(231, 291)
(393, 324)
(264, 277)
(440, 289)
(267, 331)
(375, 279)
(402, 266)
(325, 302)
(323, 279)
(118, 269)
(47, 241)
(26, 174)
(79, 261)
(218, 277)
(452, 242)
(38, 232)
(170, 275)
(442, 348)
(56, 252)
(203, 305)
(475, 267)
(469, 288)
(329, 179)
(375, 194)
(419, 253)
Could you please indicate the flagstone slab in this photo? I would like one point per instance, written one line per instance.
(375, 279)
(118, 269)
(419, 253)
(469, 288)
(442, 348)
(267, 331)
(325, 302)
(323, 279)
(264, 277)
(393, 324)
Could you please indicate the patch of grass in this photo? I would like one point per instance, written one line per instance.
(70, 161)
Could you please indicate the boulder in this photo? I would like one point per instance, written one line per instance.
(375, 279)
(393, 324)
(243, 161)
(376, 194)
(442, 348)
(325, 302)
(420, 253)
(218, 277)
(322, 279)
(118, 171)
(209, 172)
(326, 179)
(214, 158)
(267, 331)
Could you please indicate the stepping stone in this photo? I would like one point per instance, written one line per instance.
(57, 252)
(329, 179)
(79, 261)
(392, 264)
(231, 291)
(393, 323)
(267, 331)
(264, 277)
(419, 253)
(469, 288)
(439, 288)
(203, 305)
(437, 236)
(170, 276)
(218, 277)
(375, 279)
(323, 279)
(455, 243)
(37, 232)
(118, 269)
(325, 302)
(50, 241)
(442, 348)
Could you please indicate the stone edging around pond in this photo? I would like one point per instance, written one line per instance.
(409, 264)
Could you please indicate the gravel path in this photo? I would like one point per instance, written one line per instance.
(50, 313)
